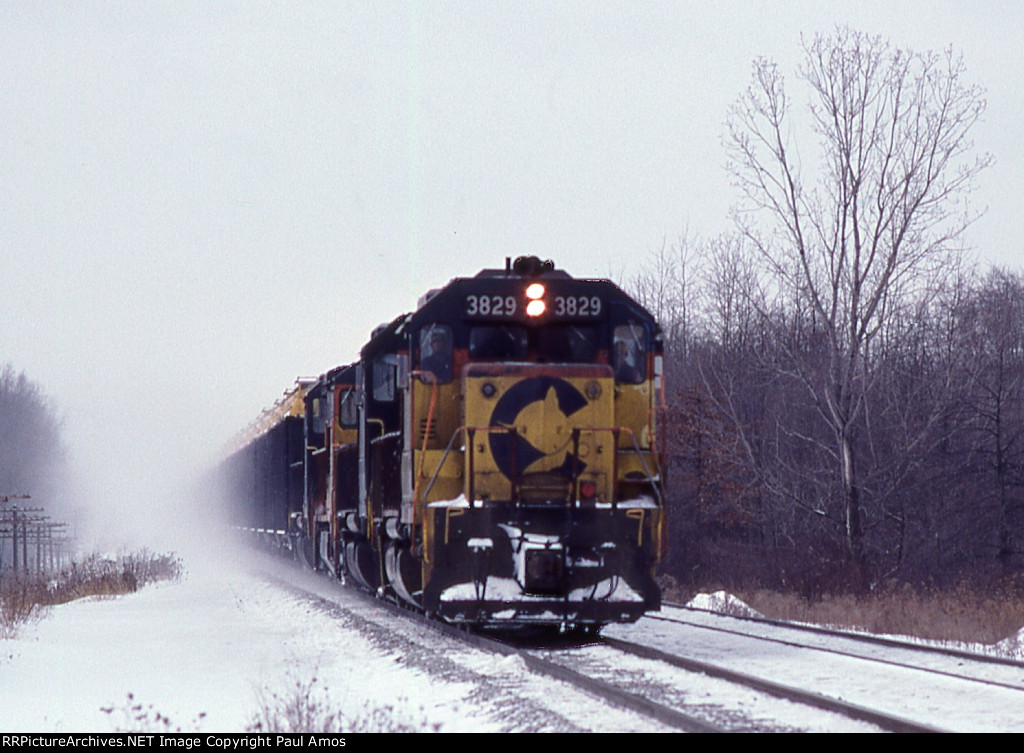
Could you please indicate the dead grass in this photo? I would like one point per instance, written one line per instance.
(25, 597)
(959, 614)
(21, 603)
(964, 613)
(138, 717)
(306, 706)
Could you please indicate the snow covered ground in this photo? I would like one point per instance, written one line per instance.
(206, 653)
(211, 651)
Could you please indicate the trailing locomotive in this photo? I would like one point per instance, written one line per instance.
(492, 458)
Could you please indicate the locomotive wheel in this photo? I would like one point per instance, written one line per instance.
(403, 572)
(305, 550)
(326, 560)
(361, 562)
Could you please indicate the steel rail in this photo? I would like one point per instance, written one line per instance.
(852, 636)
(850, 654)
(817, 700)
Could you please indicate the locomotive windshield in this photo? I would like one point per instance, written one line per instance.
(567, 344)
(498, 343)
(554, 344)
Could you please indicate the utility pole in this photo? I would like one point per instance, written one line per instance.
(18, 524)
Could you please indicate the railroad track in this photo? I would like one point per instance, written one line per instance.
(600, 669)
(885, 721)
(893, 684)
(332, 593)
(610, 692)
(565, 664)
(984, 669)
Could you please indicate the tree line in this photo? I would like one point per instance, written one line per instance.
(846, 401)
(33, 458)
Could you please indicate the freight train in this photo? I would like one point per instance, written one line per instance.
(492, 458)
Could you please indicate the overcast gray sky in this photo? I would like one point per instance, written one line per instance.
(200, 201)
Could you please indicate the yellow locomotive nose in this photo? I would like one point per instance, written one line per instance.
(547, 429)
(538, 432)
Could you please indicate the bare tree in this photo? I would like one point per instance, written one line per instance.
(852, 240)
(667, 287)
(993, 318)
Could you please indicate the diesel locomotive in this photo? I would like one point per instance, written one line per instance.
(492, 458)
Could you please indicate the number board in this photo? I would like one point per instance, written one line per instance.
(581, 306)
(503, 306)
(490, 305)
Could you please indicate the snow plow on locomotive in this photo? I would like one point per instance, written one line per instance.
(492, 458)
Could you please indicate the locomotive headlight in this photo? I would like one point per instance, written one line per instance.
(535, 293)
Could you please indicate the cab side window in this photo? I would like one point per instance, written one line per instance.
(348, 410)
(436, 351)
(629, 350)
(318, 424)
(385, 377)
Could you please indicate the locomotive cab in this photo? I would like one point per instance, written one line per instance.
(331, 466)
